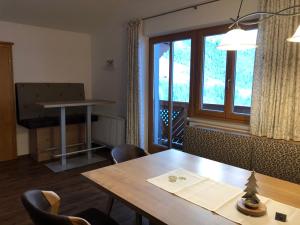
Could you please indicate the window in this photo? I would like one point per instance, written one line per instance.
(213, 75)
(244, 69)
(224, 79)
(189, 75)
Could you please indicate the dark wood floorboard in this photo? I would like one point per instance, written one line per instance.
(76, 192)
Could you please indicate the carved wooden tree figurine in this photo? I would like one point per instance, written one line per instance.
(250, 204)
(251, 199)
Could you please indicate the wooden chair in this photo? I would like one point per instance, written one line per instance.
(43, 209)
(121, 154)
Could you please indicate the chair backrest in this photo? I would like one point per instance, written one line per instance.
(43, 207)
(126, 152)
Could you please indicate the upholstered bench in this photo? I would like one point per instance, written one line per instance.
(31, 115)
(219, 146)
(275, 158)
(43, 123)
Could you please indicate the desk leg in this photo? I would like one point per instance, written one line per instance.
(89, 130)
(63, 137)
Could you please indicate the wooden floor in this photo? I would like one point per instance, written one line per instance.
(76, 192)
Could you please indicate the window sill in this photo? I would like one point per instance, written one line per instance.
(221, 125)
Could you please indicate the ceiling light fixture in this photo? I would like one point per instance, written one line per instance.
(238, 39)
(296, 36)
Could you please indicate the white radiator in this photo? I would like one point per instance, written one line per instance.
(109, 130)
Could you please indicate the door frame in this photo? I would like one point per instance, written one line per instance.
(11, 151)
(153, 148)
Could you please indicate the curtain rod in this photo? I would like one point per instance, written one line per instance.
(181, 9)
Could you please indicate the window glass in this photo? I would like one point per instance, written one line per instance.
(181, 70)
(161, 93)
(214, 74)
(161, 54)
(244, 69)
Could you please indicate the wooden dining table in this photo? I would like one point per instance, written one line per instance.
(127, 182)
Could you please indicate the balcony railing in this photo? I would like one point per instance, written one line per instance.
(179, 116)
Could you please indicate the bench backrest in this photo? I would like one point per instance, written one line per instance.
(28, 94)
(275, 158)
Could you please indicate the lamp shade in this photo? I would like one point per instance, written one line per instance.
(296, 36)
(238, 39)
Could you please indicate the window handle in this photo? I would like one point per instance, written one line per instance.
(228, 83)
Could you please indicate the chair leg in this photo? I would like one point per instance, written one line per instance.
(109, 205)
(138, 219)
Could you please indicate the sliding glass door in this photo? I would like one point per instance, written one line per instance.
(170, 91)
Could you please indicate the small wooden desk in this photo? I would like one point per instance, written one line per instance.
(127, 182)
(62, 105)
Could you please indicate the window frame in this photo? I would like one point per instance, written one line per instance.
(194, 110)
(228, 114)
(152, 41)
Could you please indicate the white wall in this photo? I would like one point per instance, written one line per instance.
(47, 55)
(111, 42)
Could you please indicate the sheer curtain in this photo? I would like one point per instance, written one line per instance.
(137, 77)
(276, 88)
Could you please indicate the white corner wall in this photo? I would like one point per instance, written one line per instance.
(47, 55)
(110, 41)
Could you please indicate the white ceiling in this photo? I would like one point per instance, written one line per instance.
(82, 15)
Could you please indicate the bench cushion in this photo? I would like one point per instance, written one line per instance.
(54, 121)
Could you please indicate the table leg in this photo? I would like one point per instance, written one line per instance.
(89, 129)
(63, 137)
